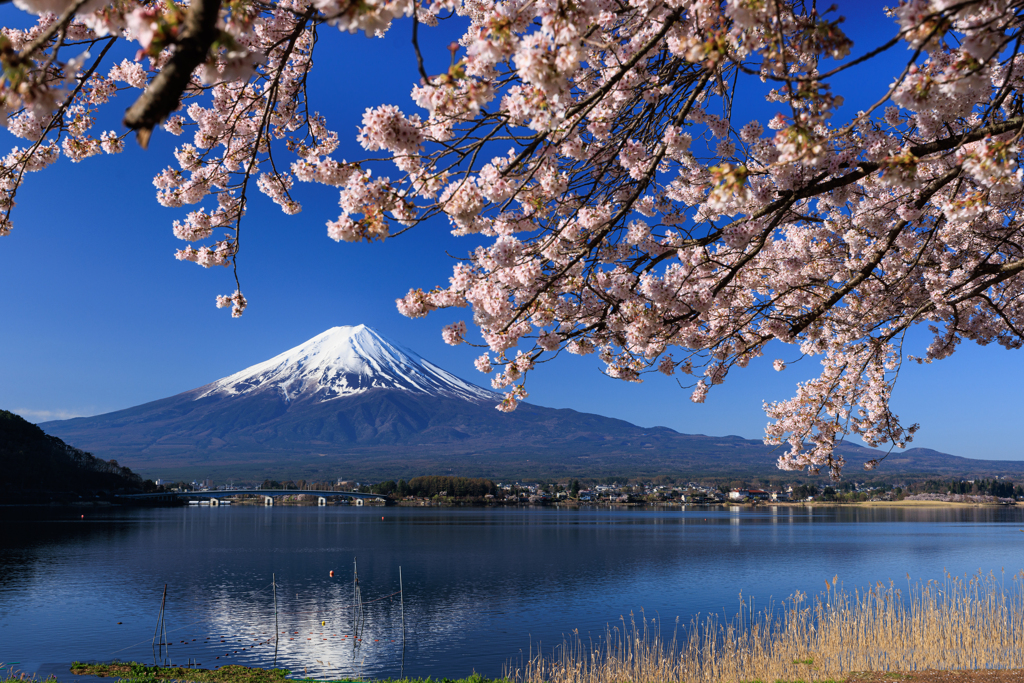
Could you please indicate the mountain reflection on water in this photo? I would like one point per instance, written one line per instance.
(483, 587)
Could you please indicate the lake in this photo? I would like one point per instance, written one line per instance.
(481, 586)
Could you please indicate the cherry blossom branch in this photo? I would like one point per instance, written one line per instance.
(163, 95)
(416, 43)
(54, 121)
(62, 21)
(271, 95)
(633, 217)
(801, 323)
(867, 168)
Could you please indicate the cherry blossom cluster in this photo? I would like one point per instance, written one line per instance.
(588, 152)
(636, 221)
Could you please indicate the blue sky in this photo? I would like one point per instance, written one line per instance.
(98, 315)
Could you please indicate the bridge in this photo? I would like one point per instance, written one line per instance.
(268, 495)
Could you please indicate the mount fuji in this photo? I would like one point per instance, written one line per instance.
(349, 403)
(344, 361)
(352, 403)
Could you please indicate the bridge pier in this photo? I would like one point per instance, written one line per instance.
(214, 502)
(268, 501)
(321, 501)
(359, 502)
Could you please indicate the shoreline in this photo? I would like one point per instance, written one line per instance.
(568, 506)
(234, 673)
(885, 503)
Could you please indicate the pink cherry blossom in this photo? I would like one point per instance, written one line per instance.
(615, 207)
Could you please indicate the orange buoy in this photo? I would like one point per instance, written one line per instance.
(332, 573)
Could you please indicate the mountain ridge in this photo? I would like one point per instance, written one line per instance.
(350, 402)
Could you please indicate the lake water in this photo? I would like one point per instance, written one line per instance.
(481, 586)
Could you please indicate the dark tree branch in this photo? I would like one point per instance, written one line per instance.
(866, 168)
(163, 95)
(801, 323)
(62, 21)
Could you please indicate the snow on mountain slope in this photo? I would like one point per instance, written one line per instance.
(341, 362)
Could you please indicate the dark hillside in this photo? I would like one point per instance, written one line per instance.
(32, 461)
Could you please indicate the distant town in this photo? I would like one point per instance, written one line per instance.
(446, 490)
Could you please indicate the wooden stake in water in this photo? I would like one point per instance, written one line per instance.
(357, 605)
(277, 629)
(163, 626)
(160, 634)
(355, 602)
(401, 598)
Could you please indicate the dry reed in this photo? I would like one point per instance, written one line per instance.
(957, 623)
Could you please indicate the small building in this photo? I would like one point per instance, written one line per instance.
(697, 497)
(739, 494)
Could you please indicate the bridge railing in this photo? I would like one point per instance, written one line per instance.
(267, 494)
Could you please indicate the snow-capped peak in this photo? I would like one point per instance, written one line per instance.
(341, 362)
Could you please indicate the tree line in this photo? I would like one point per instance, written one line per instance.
(430, 486)
(421, 487)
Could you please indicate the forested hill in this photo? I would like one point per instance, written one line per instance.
(33, 461)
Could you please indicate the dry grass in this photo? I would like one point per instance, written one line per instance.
(955, 624)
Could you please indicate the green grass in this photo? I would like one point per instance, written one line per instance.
(133, 672)
(139, 673)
